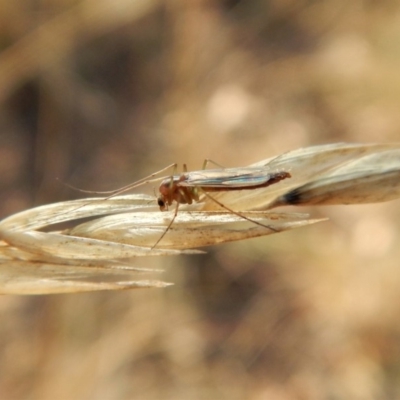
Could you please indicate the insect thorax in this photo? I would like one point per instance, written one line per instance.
(171, 190)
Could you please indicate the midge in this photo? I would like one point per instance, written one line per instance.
(188, 187)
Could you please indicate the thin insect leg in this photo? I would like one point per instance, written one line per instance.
(142, 181)
(168, 227)
(207, 161)
(238, 213)
(173, 173)
(83, 190)
(116, 191)
(126, 188)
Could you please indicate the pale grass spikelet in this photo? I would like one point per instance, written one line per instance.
(99, 254)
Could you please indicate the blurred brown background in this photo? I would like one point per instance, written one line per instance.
(101, 93)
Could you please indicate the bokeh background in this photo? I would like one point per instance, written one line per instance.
(101, 93)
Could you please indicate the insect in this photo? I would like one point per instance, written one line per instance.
(185, 188)
(189, 187)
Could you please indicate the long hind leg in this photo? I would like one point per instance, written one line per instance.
(238, 213)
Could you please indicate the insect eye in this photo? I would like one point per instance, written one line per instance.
(161, 203)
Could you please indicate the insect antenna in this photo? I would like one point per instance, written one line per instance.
(126, 188)
(68, 185)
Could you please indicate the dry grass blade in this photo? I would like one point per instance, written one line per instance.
(39, 217)
(98, 254)
(190, 229)
(371, 177)
(23, 277)
(340, 173)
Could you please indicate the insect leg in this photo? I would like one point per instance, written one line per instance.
(208, 161)
(123, 189)
(143, 181)
(238, 213)
(168, 227)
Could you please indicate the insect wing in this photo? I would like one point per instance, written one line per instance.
(227, 178)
